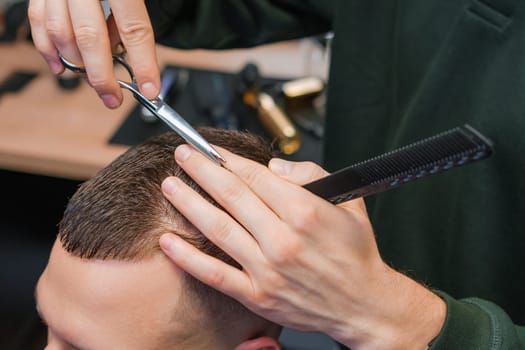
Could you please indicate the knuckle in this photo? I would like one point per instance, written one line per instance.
(87, 36)
(99, 83)
(34, 16)
(264, 299)
(214, 278)
(47, 51)
(268, 300)
(286, 252)
(222, 232)
(57, 30)
(233, 192)
(306, 218)
(310, 164)
(136, 33)
(253, 174)
(314, 169)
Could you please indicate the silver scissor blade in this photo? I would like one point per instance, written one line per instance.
(173, 119)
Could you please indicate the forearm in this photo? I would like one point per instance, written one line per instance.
(408, 316)
(400, 314)
(227, 24)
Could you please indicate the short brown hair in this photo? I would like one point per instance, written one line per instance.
(121, 212)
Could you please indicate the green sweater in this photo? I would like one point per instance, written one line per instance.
(402, 71)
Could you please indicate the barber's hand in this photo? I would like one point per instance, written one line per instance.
(77, 29)
(307, 264)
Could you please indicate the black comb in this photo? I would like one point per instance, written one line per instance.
(433, 155)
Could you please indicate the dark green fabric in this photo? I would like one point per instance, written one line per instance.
(424, 67)
(489, 327)
(402, 71)
(236, 23)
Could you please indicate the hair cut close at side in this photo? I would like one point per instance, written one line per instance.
(120, 213)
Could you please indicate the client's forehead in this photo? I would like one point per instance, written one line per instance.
(115, 298)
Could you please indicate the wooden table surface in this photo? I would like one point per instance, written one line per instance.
(50, 131)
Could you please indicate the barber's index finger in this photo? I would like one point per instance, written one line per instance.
(89, 25)
(136, 32)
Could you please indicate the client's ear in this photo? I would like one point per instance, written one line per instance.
(262, 343)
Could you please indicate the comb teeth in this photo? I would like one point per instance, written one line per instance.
(438, 153)
(447, 150)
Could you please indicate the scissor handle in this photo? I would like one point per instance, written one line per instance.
(78, 68)
(120, 59)
(72, 66)
(160, 109)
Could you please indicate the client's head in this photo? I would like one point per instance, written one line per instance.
(108, 285)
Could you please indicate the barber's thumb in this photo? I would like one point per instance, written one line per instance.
(297, 172)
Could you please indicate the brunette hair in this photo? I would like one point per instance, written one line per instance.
(120, 213)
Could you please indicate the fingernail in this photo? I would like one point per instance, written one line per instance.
(169, 186)
(110, 101)
(56, 66)
(149, 90)
(280, 166)
(182, 153)
(166, 242)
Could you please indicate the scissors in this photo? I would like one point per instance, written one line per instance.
(160, 109)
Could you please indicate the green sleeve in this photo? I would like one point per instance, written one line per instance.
(477, 324)
(226, 24)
